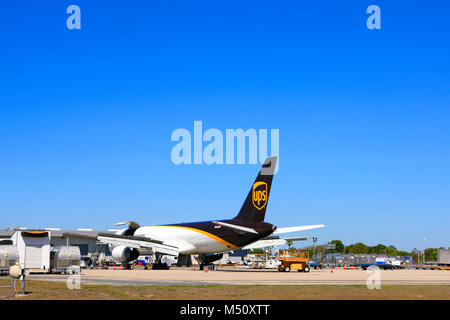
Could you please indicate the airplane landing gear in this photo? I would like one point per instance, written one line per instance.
(158, 265)
(127, 266)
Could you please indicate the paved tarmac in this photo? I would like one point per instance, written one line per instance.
(238, 276)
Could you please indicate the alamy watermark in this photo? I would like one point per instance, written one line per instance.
(374, 20)
(190, 148)
(374, 279)
(73, 22)
(74, 282)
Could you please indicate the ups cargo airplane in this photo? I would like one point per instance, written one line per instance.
(206, 240)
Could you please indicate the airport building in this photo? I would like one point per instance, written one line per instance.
(85, 239)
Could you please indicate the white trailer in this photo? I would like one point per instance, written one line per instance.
(33, 247)
(8, 257)
(443, 257)
(65, 259)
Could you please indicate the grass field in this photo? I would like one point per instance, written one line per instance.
(46, 290)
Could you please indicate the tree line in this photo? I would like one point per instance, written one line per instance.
(389, 250)
(361, 248)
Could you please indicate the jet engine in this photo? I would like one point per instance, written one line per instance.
(124, 254)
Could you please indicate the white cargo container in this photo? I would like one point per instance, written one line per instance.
(65, 259)
(443, 257)
(33, 247)
(8, 257)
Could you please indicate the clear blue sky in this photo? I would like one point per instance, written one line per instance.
(364, 115)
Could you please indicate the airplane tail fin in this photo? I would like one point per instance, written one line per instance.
(254, 207)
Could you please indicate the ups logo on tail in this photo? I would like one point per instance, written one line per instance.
(259, 194)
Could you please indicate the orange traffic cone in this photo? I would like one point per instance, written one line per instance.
(352, 268)
(114, 267)
(193, 267)
(206, 268)
(331, 270)
(345, 267)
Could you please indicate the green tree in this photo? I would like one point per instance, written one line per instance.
(257, 251)
(378, 249)
(430, 254)
(392, 251)
(339, 246)
(357, 248)
(416, 253)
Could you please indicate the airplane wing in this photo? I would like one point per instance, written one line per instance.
(299, 228)
(264, 243)
(152, 245)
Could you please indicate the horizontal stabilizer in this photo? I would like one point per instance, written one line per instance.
(297, 239)
(299, 228)
(236, 228)
(265, 244)
(272, 243)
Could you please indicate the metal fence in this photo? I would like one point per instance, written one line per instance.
(352, 259)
